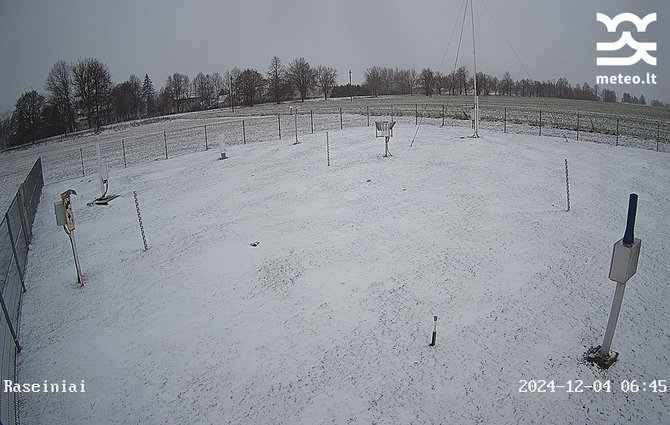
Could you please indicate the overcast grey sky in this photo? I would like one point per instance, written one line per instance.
(554, 38)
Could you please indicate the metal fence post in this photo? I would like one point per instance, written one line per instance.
(577, 125)
(9, 323)
(244, 134)
(22, 213)
(341, 119)
(311, 120)
(16, 256)
(206, 147)
(442, 115)
(416, 114)
(327, 150)
(505, 122)
(279, 125)
(123, 148)
(81, 154)
(165, 141)
(540, 122)
(617, 131)
(367, 112)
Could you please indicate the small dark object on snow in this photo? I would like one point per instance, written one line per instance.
(594, 356)
(256, 243)
(103, 200)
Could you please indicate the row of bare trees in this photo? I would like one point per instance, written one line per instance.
(389, 81)
(82, 95)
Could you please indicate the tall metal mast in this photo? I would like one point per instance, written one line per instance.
(474, 54)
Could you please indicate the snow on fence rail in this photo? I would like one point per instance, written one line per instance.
(15, 234)
(79, 159)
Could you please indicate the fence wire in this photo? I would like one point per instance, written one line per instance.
(273, 123)
(15, 234)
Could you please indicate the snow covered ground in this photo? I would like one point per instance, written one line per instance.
(328, 319)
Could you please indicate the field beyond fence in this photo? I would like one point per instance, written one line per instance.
(143, 141)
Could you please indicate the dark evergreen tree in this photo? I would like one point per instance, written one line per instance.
(148, 97)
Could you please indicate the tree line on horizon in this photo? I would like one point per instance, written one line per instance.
(82, 95)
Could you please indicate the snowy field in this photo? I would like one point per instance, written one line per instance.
(328, 318)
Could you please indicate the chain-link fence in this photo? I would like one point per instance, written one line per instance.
(176, 136)
(15, 235)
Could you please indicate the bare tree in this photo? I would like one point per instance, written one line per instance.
(302, 76)
(462, 76)
(27, 123)
(412, 80)
(229, 80)
(204, 90)
(59, 86)
(121, 96)
(135, 86)
(251, 85)
(177, 86)
(372, 79)
(92, 87)
(427, 79)
(276, 79)
(326, 79)
(218, 85)
(388, 79)
(507, 83)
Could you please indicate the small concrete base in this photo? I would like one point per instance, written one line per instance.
(604, 362)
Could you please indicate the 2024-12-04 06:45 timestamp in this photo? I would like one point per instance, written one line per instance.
(596, 386)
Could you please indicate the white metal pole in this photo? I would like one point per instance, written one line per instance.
(614, 316)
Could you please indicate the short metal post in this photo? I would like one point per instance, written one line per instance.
(367, 112)
(577, 125)
(432, 343)
(505, 122)
(206, 147)
(567, 183)
(540, 122)
(139, 219)
(327, 149)
(123, 148)
(416, 114)
(279, 124)
(296, 127)
(617, 131)
(165, 142)
(311, 120)
(244, 134)
(81, 154)
(391, 113)
(442, 115)
(341, 125)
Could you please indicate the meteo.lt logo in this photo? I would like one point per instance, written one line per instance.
(641, 49)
